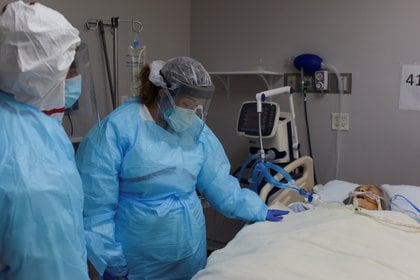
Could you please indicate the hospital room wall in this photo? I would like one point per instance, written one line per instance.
(370, 39)
(166, 33)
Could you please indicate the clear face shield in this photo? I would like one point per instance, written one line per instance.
(367, 199)
(81, 111)
(184, 108)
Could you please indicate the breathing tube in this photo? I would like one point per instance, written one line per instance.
(402, 225)
(363, 194)
(244, 166)
(262, 170)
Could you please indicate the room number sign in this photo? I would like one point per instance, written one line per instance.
(410, 87)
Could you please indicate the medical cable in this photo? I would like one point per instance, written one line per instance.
(340, 110)
(413, 214)
(406, 199)
(399, 225)
(308, 134)
(262, 153)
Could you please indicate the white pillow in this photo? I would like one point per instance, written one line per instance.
(412, 193)
(335, 190)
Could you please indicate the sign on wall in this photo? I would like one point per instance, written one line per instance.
(410, 87)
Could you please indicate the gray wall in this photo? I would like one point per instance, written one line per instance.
(370, 39)
(166, 33)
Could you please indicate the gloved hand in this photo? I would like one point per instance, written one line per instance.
(274, 215)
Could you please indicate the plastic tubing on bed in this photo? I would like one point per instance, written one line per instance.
(408, 201)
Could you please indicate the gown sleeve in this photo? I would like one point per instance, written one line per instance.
(222, 190)
(98, 159)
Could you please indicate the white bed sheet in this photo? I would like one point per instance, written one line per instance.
(321, 244)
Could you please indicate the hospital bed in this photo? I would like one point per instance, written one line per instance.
(330, 241)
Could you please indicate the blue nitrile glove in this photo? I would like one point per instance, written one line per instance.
(275, 215)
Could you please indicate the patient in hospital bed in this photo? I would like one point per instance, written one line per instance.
(369, 197)
(330, 241)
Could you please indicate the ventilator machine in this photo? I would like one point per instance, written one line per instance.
(278, 129)
(272, 134)
(273, 140)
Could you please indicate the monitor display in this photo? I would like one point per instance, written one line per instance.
(248, 119)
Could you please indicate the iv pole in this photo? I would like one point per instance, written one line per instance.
(93, 24)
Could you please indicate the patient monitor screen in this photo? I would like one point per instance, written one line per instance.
(248, 119)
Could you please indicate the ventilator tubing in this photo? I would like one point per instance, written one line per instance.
(262, 170)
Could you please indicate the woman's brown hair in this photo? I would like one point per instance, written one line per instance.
(149, 93)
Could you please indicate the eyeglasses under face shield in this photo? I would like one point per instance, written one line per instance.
(196, 98)
(184, 108)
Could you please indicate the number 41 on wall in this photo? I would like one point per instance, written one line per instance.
(410, 88)
(413, 80)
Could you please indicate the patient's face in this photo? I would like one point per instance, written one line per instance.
(366, 201)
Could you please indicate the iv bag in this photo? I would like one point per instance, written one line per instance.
(136, 58)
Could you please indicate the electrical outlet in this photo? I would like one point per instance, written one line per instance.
(340, 121)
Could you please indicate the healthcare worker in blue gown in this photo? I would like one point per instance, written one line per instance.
(140, 168)
(41, 195)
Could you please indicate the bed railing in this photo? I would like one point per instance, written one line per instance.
(287, 196)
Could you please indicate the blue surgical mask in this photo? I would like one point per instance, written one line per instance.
(72, 91)
(179, 119)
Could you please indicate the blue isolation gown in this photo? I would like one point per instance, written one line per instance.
(142, 213)
(41, 197)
